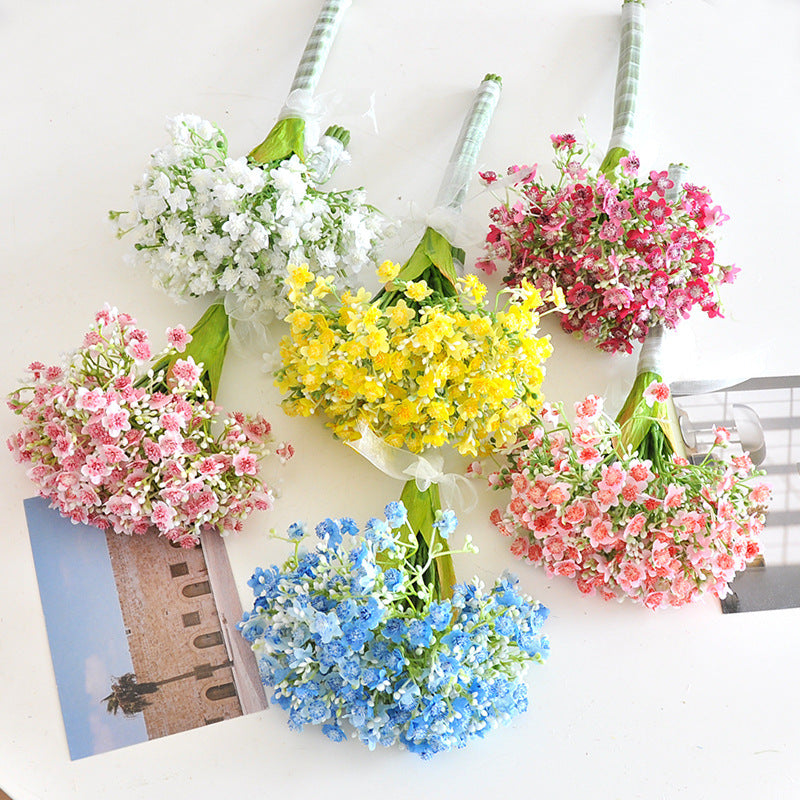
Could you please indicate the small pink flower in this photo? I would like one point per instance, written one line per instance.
(722, 436)
(284, 451)
(519, 547)
(162, 516)
(589, 409)
(558, 494)
(760, 494)
(140, 350)
(656, 392)
(116, 420)
(186, 372)
(178, 337)
(245, 462)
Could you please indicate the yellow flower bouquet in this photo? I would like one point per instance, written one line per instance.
(427, 369)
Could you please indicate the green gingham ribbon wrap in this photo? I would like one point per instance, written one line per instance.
(628, 68)
(319, 44)
(677, 174)
(462, 164)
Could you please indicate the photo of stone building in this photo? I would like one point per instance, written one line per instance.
(179, 607)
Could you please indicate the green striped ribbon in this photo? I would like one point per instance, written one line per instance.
(677, 174)
(627, 86)
(319, 44)
(462, 164)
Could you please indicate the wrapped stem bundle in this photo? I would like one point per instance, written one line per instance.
(628, 253)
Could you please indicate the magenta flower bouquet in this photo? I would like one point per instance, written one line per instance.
(629, 252)
(118, 439)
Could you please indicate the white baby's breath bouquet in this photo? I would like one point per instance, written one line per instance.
(209, 225)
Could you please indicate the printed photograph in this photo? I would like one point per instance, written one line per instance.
(142, 633)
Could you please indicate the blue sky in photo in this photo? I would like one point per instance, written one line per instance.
(84, 627)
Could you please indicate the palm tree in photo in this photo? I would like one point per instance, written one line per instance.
(130, 697)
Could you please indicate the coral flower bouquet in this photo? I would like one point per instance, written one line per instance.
(207, 224)
(122, 439)
(629, 251)
(353, 635)
(617, 506)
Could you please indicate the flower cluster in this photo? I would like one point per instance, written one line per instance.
(353, 636)
(625, 253)
(421, 372)
(115, 444)
(205, 222)
(662, 534)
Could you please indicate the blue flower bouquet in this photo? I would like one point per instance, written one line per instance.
(355, 633)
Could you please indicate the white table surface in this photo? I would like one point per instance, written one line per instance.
(682, 704)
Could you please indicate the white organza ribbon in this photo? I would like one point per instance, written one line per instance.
(248, 326)
(301, 104)
(651, 357)
(455, 490)
(452, 224)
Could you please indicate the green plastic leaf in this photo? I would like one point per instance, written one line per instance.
(612, 159)
(209, 343)
(286, 138)
(636, 418)
(422, 508)
(434, 250)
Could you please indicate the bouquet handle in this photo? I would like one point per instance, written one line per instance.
(465, 154)
(627, 86)
(318, 46)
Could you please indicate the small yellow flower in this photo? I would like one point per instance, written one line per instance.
(559, 300)
(399, 315)
(474, 287)
(299, 276)
(388, 271)
(323, 287)
(418, 290)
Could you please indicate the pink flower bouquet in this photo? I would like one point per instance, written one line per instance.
(121, 440)
(628, 252)
(616, 506)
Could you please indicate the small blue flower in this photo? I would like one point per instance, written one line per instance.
(348, 526)
(326, 625)
(439, 614)
(393, 578)
(264, 582)
(396, 514)
(419, 633)
(356, 634)
(296, 531)
(446, 522)
(377, 532)
(346, 610)
(394, 630)
(334, 732)
(329, 531)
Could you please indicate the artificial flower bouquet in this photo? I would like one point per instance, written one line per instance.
(617, 506)
(628, 252)
(123, 439)
(353, 635)
(209, 225)
(427, 361)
